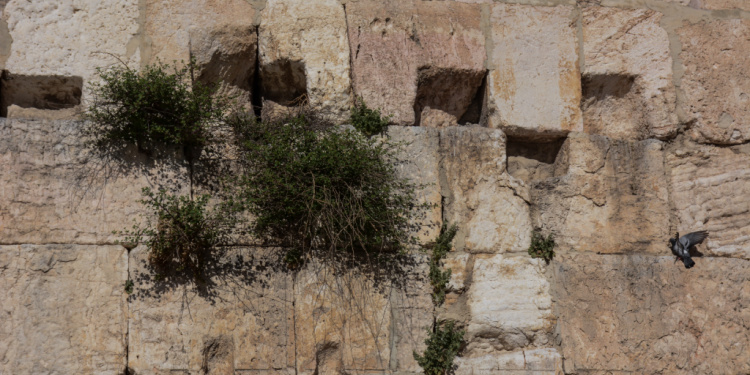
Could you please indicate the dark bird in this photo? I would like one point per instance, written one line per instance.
(681, 245)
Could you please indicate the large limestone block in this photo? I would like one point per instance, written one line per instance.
(53, 190)
(63, 309)
(627, 79)
(510, 305)
(412, 57)
(219, 35)
(419, 160)
(354, 321)
(534, 85)
(607, 196)
(714, 4)
(489, 206)
(648, 315)
(709, 187)
(71, 37)
(242, 319)
(304, 49)
(536, 361)
(716, 83)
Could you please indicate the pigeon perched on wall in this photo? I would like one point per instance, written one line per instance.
(681, 245)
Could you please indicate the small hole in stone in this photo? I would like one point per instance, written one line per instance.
(284, 82)
(40, 92)
(532, 160)
(445, 95)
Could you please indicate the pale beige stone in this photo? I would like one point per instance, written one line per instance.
(537, 361)
(648, 315)
(457, 262)
(54, 190)
(716, 83)
(627, 79)
(715, 4)
(408, 55)
(607, 196)
(313, 36)
(241, 319)
(70, 37)
(510, 305)
(709, 186)
(489, 206)
(63, 309)
(534, 85)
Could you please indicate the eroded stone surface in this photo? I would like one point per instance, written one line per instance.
(63, 309)
(645, 314)
(313, 36)
(71, 38)
(627, 79)
(53, 190)
(534, 86)
(489, 206)
(716, 85)
(392, 41)
(607, 196)
(242, 319)
(510, 305)
(709, 186)
(536, 361)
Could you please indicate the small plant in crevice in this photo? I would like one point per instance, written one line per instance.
(541, 246)
(366, 120)
(129, 286)
(185, 235)
(443, 345)
(157, 106)
(324, 190)
(439, 278)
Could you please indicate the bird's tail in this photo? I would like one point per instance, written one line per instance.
(688, 262)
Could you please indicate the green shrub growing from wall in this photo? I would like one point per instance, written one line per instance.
(541, 246)
(366, 120)
(157, 106)
(439, 278)
(443, 346)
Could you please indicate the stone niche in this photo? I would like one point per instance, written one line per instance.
(38, 92)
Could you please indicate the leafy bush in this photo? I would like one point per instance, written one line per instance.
(438, 277)
(186, 234)
(129, 286)
(542, 247)
(152, 107)
(443, 345)
(366, 120)
(327, 189)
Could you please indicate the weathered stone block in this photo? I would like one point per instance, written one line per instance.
(627, 79)
(534, 85)
(241, 319)
(716, 83)
(709, 186)
(489, 206)
(510, 305)
(536, 361)
(63, 309)
(607, 196)
(54, 190)
(416, 60)
(71, 38)
(304, 50)
(645, 314)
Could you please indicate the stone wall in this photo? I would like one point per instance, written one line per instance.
(611, 123)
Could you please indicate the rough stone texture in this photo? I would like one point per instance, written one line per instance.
(510, 305)
(219, 35)
(714, 4)
(410, 56)
(536, 361)
(607, 196)
(457, 262)
(490, 206)
(313, 36)
(243, 319)
(63, 309)
(421, 158)
(52, 190)
(648, 315)
(716, 84)
(627, 79)
(70, 37)
(534, 86)
(708, 187)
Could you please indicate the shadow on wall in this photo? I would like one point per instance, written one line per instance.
(40, 92)
(448, 96)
